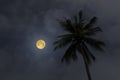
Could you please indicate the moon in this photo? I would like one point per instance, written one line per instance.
(40, 44)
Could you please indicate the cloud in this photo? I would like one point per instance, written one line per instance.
(21, 22)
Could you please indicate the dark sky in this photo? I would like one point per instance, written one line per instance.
(22, 22)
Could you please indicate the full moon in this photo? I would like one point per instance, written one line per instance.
(40, 44)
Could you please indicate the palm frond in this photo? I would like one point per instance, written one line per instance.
(70, 54)
(75, 24)
(91, 23)
(67, 25)
(89, 52)
(96, 44)
(66, 36)
(80, 15)
(62, 42)
(81, 20)
(92, 31)
(84, 53)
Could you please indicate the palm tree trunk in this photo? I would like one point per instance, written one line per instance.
(87, 68)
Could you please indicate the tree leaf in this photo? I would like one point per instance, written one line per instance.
(91, 23)
(96, 44)
(70, 53)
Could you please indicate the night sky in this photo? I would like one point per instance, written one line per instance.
(22, 22)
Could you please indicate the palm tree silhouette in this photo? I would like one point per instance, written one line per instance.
(79, 39)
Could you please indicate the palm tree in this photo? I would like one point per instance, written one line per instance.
(79, 39)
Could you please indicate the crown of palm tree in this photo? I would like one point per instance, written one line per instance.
(79, 37)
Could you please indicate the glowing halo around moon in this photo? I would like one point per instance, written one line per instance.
(40, 44)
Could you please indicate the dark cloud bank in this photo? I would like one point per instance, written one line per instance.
(22, 22)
